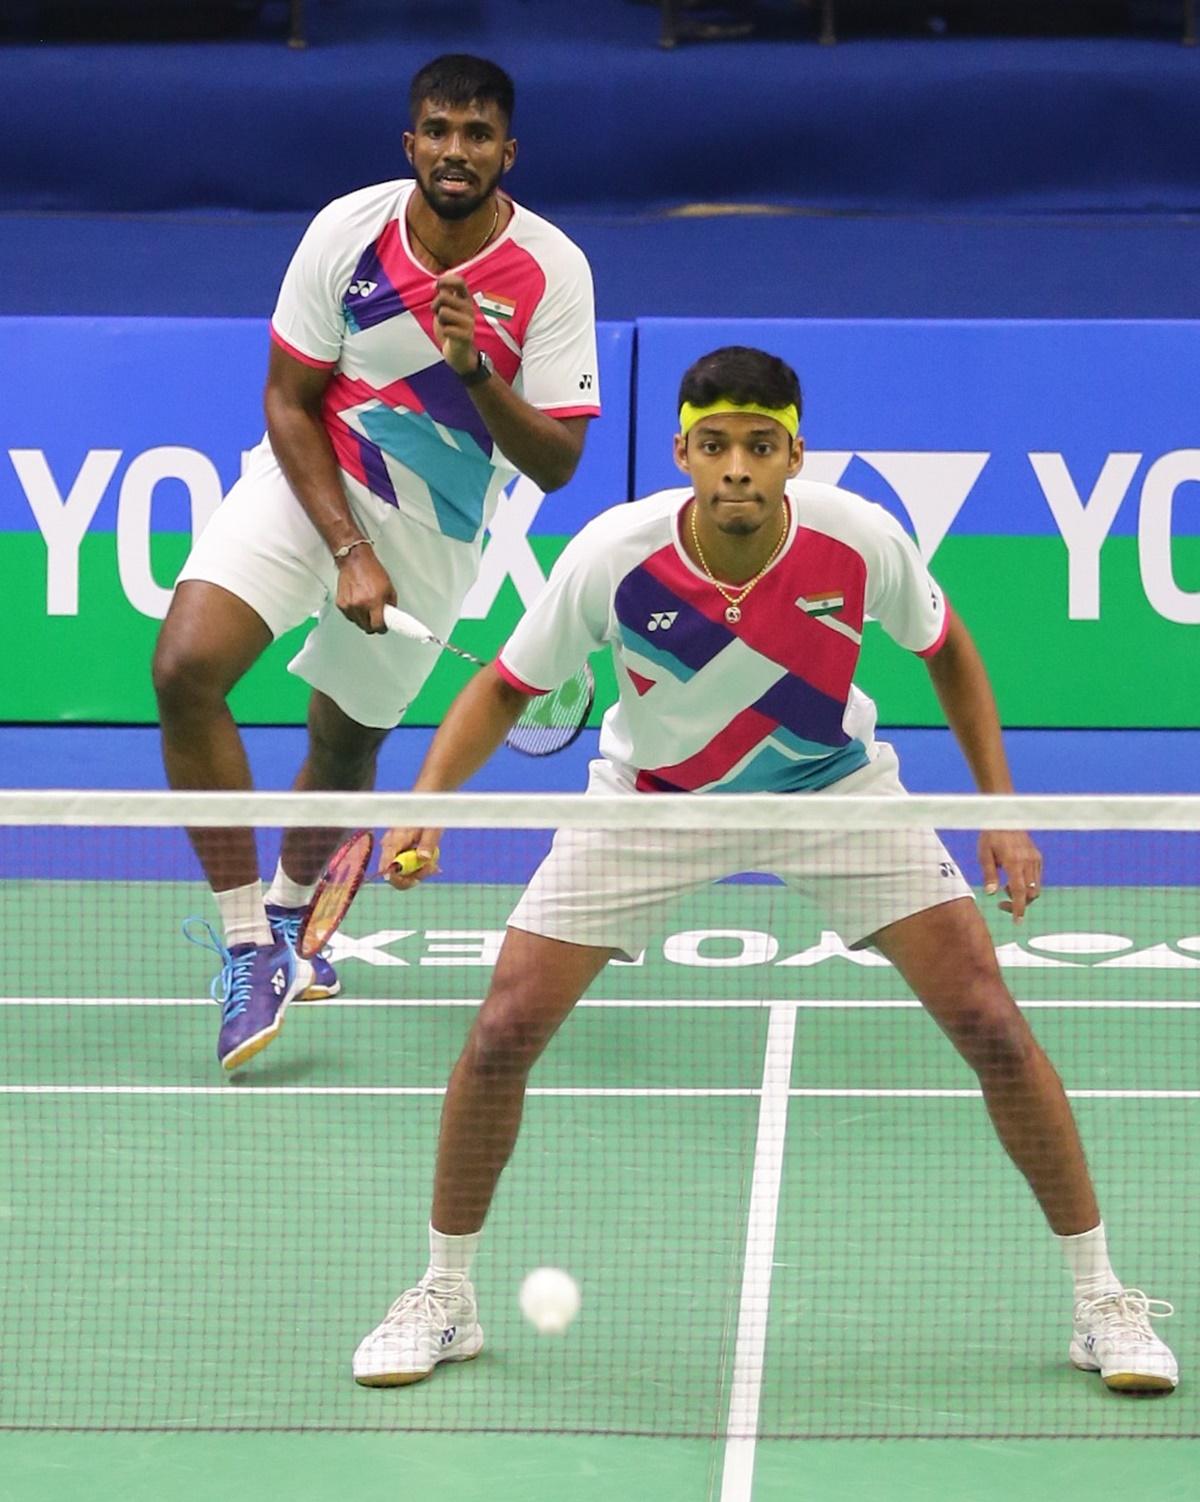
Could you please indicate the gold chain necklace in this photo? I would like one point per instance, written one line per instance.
(441, 260)
(733, 597)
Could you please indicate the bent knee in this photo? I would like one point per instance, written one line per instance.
(188, 679)
(507, 1037)
(993, 1037)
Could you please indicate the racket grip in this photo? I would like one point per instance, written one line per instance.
(408, 862)
(404, 624)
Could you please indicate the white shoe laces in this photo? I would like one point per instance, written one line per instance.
(1124, 1313)
(430, 1301)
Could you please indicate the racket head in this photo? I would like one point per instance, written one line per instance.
(552, 722)
(344, 873)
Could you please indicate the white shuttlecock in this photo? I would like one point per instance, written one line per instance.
(549, 1300)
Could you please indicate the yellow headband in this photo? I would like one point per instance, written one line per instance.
(787, 417)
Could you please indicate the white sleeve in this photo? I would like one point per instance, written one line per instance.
(559, 371)
(902, 594)
(568, 621)
(308, 320)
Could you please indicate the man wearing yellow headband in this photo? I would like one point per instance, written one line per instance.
(734, 611)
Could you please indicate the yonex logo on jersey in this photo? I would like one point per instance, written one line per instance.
(279, 983)
(361, 288)
(585, 383)
(661, 620)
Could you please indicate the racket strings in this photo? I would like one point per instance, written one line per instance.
(552, 721)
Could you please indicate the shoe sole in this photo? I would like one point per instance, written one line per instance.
(244, 1052)
(1129, 1381)
(1137, 1382)
(320, 993)
(406, 1379)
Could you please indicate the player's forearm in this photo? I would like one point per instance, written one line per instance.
(961, 683)
(474, 726)
(306, 457)
(540, 446)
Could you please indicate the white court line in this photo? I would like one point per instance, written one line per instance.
(632, 1092)
(652, 1003)
(234, 1091)
(745, 1391)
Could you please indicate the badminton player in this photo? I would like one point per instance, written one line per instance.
(734, 610)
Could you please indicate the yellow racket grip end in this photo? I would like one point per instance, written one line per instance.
(409, 862)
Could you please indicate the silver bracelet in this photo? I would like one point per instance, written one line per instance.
(341, 553)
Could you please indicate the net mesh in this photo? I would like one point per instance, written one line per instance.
(772, 1176)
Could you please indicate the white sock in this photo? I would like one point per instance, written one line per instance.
(243, 916)
(451, 1256)
(284, 892)
(1088, 1264)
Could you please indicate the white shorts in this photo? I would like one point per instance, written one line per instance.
(608, 888)
(261, 547)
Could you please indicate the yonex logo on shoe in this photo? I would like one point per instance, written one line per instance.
(448, 1334)
(661, 620)
(361, 288)
(279, 982)
(1090, 1342)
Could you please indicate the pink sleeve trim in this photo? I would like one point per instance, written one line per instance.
(937, 646)
(570, 411)
(518, 683)
(298, 354)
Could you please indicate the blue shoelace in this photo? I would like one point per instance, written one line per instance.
(232, 987)
(287, 925)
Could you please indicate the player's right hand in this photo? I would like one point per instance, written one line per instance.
(364, 588)
(405, 842)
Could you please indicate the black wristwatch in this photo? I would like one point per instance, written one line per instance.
(482, 372)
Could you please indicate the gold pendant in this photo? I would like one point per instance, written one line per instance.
(732, 614)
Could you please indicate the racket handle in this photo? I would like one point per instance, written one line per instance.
(406, 625)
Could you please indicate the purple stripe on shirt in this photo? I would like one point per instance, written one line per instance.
(368, 308)
(379, 482)
(447, 401)
(805, 711)
(691, 637)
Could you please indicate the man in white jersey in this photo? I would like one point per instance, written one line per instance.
(734, 610)
(431, 339)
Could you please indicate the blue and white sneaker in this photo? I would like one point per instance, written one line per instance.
(256, 983)
(285, 924)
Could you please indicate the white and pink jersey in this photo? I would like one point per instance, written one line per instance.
(767, 704)
(407, 436)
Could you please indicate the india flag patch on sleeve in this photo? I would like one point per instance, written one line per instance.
(492, 305)
(824, 602)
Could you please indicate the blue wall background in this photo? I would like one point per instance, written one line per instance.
(954, 177)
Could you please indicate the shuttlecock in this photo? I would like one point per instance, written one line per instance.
(549, 1300)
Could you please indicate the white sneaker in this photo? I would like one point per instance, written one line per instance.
(427, 1324)
(1113, 1337)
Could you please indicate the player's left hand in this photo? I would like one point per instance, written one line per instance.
(1013, 852)
(454, 323)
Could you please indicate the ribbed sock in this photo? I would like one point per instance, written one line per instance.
(243, 916)
(284, 892)
(451, 1256)
(1088, 1264)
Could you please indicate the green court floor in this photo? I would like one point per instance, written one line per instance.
(807, 1267)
